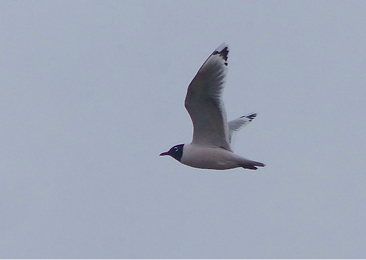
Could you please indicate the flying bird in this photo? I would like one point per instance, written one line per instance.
(212, 134)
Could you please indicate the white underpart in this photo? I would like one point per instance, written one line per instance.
(207, 157)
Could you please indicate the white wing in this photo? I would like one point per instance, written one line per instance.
(237, 124)
(204, 101)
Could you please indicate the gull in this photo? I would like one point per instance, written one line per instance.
(212, 134)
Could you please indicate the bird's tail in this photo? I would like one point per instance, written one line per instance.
(252, 165)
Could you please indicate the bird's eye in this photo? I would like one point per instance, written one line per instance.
(175, 149)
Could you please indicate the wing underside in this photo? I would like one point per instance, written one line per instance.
(204, 101)
(237, 124)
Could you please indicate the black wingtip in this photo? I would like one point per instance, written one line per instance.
(250, 116)
(222, 51)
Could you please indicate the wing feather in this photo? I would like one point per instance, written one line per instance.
(237, 124)
(204, 101)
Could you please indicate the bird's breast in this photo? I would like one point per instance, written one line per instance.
(209, 157)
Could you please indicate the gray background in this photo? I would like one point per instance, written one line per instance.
(92, 91)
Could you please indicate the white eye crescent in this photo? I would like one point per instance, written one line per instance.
(176, 149)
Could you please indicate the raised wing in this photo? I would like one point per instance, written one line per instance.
(204, 101)
(237, 124)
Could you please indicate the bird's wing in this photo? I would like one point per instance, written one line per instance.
(204, 101)
(237, 124)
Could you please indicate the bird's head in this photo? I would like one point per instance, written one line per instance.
(176, 152)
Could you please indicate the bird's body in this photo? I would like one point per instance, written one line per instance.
(212, 134)
(215, 158)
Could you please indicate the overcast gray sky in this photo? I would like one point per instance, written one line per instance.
(92, 91)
